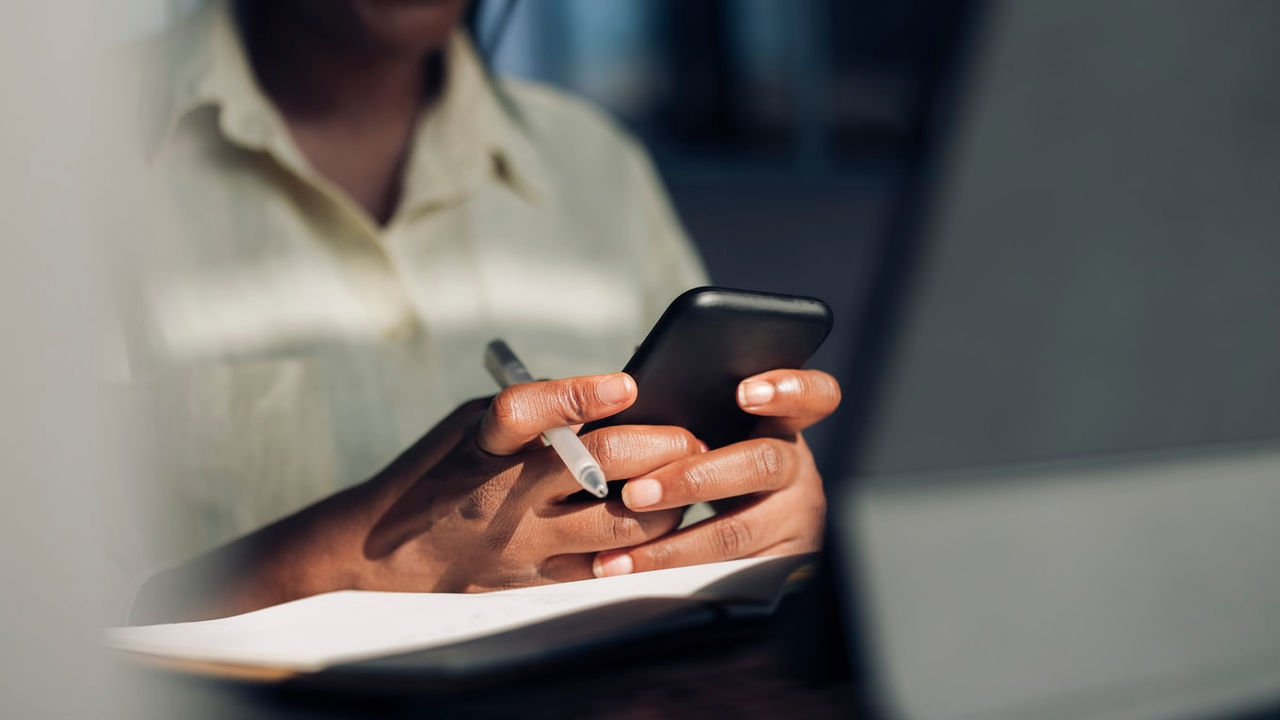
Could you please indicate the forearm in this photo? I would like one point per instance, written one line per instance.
(321, 548)
(315, 550)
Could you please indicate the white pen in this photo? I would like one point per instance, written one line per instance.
(507, 370)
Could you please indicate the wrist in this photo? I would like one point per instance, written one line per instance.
(332, 541)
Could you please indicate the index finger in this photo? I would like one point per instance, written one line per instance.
(520, 413)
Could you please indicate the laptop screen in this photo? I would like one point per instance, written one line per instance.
(1067, 481)
(1100, 267)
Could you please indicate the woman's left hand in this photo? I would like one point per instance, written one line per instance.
(778, 503)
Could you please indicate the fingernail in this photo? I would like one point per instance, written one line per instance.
(641, 493)
(606, 566)
(614, 389)
(754, 393)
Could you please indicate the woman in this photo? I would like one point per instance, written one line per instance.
(356, 208)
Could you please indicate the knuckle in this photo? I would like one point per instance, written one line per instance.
(767, 459)
(819, 387)
(622, 529)
(694, 480)
(472, 507)
(576, 401)
(732, 536)
(506, 408)
(653, 557)
(816, 387)
(665, 442)
(609, 448)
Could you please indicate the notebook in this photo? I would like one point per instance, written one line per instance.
(350, 626)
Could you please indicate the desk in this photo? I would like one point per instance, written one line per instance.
(738, 675)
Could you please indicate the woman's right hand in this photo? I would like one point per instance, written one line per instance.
(477, 504)
(480, 504)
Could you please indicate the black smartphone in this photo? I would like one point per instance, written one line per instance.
(708, 340)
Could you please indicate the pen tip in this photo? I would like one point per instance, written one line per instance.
(593, 479)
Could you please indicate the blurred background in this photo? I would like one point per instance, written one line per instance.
(784, 130)
(1100, 148)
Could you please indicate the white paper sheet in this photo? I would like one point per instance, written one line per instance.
(323, 630)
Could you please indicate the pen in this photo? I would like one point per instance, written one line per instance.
(507, 370)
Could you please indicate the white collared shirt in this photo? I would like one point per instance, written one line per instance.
(299, 346)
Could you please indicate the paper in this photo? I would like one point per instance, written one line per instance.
(324, 630)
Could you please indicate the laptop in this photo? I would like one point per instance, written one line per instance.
(1066, 469)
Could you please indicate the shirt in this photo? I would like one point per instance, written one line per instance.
(298, 346)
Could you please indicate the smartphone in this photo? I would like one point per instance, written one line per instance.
(708, 340)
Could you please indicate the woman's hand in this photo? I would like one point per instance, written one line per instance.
(491, 511)
(476, 504)
(771, 485)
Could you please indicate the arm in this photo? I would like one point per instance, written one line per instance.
(476, 504)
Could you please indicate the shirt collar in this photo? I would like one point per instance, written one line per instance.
(467, 133)
(466, 136)
(204, 65)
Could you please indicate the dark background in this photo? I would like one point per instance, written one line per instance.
(786, 130)
(1087, 191)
